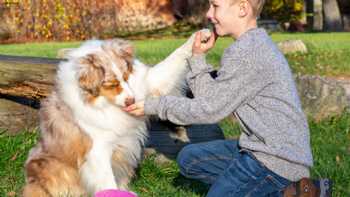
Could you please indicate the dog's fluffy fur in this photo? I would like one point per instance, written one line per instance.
(87, 142)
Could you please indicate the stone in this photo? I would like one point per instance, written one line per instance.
(292, 46)
(321, 97)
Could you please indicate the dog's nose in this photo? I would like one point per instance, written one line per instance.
(129, 101)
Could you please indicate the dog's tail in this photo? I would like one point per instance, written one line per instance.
(48, 177)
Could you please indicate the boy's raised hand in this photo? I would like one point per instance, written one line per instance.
(200, 47)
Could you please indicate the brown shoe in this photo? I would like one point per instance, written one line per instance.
(303, 188)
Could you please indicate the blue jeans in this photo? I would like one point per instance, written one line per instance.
(229, 170)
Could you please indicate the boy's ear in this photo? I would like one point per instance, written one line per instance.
(243, 8)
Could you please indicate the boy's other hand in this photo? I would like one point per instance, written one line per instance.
(200, 47)
(137, 109)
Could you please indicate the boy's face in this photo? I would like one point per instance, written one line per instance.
(222, 14)
(225, 15)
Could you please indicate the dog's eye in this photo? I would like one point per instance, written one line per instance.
(110, 85)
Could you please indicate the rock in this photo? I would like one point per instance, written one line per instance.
(344, 82)
(292, 46)
(321, 97)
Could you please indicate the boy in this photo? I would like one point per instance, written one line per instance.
(254, 83)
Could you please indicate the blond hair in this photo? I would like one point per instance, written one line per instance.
(257, 5)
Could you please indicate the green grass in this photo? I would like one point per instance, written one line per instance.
(329, 53)
(13, 151)
(330, 141)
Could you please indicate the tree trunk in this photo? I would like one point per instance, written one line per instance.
(344, 6)
(318, 16)
(332, 17)
(27, 77)
(26, 80)
(346, 20)
(16, 117)
(309, 13)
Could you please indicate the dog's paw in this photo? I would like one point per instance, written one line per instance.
(205, 35)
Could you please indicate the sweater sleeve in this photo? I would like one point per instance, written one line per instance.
(237, 82)
(197, 65)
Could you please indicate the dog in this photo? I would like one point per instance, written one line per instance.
(87, 142)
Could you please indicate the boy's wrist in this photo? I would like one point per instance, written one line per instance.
(151, 105)
(198, 63)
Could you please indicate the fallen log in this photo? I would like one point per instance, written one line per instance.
(33, 78)
(26, 80)
(29, 77)
(16, 117)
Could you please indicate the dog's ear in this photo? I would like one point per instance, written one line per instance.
(91, 74)
(123, 49)
(128, 53)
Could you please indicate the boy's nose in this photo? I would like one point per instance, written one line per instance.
(210, 14)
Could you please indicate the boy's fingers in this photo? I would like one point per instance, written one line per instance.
(197, 41)
(130, 108)
(212, 39)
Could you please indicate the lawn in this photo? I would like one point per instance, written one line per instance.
(329, 55)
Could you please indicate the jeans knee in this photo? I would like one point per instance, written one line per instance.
(184, 157)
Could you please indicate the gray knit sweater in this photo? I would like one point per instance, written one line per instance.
(254, 83)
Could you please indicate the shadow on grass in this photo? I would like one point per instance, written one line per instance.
(194, 186)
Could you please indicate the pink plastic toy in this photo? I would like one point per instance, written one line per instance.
(114, 193)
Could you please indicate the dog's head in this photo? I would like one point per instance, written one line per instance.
(103, 72)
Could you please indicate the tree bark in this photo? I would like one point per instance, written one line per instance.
(332, 16)
(318, 16)
(27, 77)
(16, 117)
(309, 14)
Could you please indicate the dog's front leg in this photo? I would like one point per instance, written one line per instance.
(169, 74)
(96, 172)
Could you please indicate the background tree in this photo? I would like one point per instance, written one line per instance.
(332, 16)
(284, 10)
(344, 6)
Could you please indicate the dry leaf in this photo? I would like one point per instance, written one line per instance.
(14, 157)
(11, 193)
(337, 159)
